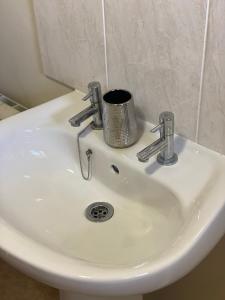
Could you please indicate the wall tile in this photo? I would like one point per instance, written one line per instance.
(71, 40)
(154, 49)
(212, 116)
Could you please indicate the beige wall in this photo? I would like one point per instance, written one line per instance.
(21, 77)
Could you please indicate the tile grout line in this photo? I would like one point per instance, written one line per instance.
(202, 71)
(105, 43)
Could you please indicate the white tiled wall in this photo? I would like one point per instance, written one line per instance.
(153, 48)
(71, 40)
(212, 118)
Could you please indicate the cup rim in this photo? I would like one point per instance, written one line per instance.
(117, 90)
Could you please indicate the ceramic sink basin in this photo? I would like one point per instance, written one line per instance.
(166, 219)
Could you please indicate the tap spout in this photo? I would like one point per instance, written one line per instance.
(82, 116)
(149, 151)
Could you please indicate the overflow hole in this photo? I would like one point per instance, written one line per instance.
(115, 169)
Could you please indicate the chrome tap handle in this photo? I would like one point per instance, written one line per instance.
(156, 128)
(94, 88)
(167, 119)
(95, 96)
(166, 124)
(89, 95)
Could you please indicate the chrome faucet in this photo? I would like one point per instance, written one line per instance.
(164, 145)
(94, 110)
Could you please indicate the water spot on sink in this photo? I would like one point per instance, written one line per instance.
(39, 199)
(38, 153)
(70, 171)
(28, 130)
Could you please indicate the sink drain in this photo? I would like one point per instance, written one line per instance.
(99, 212)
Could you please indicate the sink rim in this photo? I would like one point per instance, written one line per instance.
(15, 247)
(97, 276)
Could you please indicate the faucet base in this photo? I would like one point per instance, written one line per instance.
(167, 162)
(95, 127)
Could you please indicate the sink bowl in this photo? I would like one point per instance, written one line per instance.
(165, 221)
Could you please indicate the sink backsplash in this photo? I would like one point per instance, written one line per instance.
(156, 49)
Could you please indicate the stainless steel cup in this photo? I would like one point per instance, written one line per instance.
(119, 121)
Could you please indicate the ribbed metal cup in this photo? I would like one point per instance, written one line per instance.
(119, 121)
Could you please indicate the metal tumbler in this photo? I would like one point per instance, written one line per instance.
(119, 120)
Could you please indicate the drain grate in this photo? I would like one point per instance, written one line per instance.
(99, 212)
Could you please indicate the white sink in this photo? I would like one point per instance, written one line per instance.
(166, 219)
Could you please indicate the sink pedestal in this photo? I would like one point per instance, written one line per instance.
(66, 295)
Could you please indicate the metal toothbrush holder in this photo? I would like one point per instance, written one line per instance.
(119, 120)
